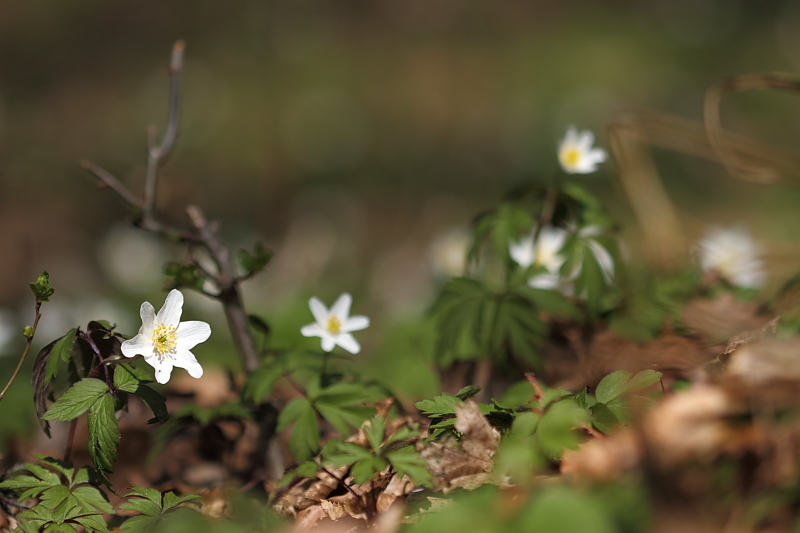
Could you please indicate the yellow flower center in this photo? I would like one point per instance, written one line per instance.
(571, 156)
(334, 325)
(164, 339)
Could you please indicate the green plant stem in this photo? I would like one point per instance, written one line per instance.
(24, 352)
(550, 201)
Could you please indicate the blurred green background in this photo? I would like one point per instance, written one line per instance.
(355, 138)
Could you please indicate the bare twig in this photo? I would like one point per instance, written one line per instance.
(157, 154)
(107, 180)
(25, 351)
(753, 172)
(202, 234)
(229, 293)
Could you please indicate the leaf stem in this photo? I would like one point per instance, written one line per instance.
(25, 351)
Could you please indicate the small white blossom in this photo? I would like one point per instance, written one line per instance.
(733, 255)
(602, 255)
(333, 326)
(575, 152)
(543, 251)
(165, 341)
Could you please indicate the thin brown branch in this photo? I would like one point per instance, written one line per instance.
(229, 293)
(752, 172)
(108, 180)
(25, 351)
(157, 154)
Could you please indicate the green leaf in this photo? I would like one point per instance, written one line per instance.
(304, 441)
(153, 507)
(467, 392)
(517, 326)
(60, 351)
(622, 382)
(366, 469)
(374, 432)
(76, 400)
(407, 461)
(255, 261)
(125, 374)
(103, 433)
(153, 400)
(604, 418)
(261, 381)
(41, 287)
(556, 430)
(444, 404)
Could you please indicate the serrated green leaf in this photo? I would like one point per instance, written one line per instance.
(91, 498)
(407, 461)
(467, 392)
(76, 400)
(344, 418)
(604, 418)
(173, 500)
(304, 441)
(139, 524)
(152, 399)
(60, 352)
(622, 382)
(261, 381)
(103, 433)
(364, 470)
(444, 404)
(374, 431)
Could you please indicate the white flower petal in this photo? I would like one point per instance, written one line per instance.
(348, 342)
(604, 259)
(141, 344)
(190, 334)
(355, 323)
(163, 369)
(341, 307)
(319, 310)
(523, 252)
(312, 330)
(585, 141)
(186, 360)
(544, 281)
(170, 313)
(328, 341)
(148, 314)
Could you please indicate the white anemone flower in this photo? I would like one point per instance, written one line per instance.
(733, 255)
(575, 152)
(544, 251)
(164, 341)
(335, 325)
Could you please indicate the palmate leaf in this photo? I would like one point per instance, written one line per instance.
(518, 327)
(438, 406)
(152, 506)
(459, 309)
(407, 461)
(304, 441)
(261, 381)
(342, 405)
(61, 506)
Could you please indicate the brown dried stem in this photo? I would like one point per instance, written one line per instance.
(766, 172)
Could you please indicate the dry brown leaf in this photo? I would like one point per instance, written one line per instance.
(474, 454)
(693, 426)
(604, 459)
(721, 318)
(768, 361)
